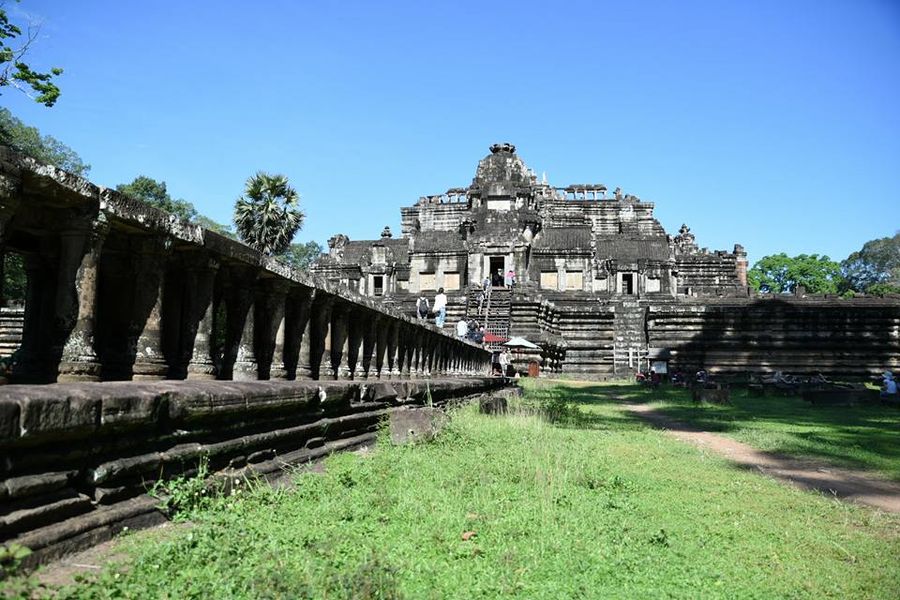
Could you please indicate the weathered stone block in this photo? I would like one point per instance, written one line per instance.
(67, 411)
(124, 467)
(32, 485)
(378, 392)
(130, 406)
(420, 424)
(493, 405)
(9, 419)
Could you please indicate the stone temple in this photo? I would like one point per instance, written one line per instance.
(600, 285)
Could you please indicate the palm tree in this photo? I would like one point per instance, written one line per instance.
(267, 215)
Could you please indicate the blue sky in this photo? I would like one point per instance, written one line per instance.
(768, 123)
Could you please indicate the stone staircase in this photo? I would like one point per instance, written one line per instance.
(11, 323)
(630, 348)
(494, 314)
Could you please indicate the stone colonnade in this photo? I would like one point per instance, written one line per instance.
(117, 290)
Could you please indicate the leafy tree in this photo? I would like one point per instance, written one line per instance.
(155, 194)
(780, 273)
(15, 72)
(44, 148)
(267, 215)
(215, 226)
(301, 256)
(14, 278)
(875, 268)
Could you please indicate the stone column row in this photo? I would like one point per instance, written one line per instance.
(182, 313)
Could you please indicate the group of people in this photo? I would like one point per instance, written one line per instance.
(470, 330)
(439, 308)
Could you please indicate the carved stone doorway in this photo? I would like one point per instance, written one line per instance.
(495, 264)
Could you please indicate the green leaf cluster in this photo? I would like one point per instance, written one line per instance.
(17, 73)
(780, 273)
(154, 193)
(875, 268)
(301, 256)
(44, 148)
(268, 216)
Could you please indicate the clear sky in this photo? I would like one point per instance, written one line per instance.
(774, 124)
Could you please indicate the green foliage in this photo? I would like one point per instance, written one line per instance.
(553, 511)
(17, 73)
(881, 289)
(154, 193)
(780, 273)
(11, 557)
(267, 216)
(182, 496)
(219, 228)
(301, 256)
(875, 268)
(14, 278)
(44, 148)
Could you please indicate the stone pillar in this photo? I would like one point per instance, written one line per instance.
(740, 264)
(149, 361)
(320, 336)
(200, 271)
(427, 355)
(393, 349)
(382, 333)
(270, 327)
(76, 300)
(240, 361)
(418, 360)
(371, 328)
(436, 359)
(246, 365)
(297, 335)
(357, 324)
(340, 325)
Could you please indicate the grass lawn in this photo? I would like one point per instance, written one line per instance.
(595, 505)
(866, 437)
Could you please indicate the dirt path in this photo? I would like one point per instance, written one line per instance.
(846, 484)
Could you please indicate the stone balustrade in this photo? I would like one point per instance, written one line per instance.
(118, 290)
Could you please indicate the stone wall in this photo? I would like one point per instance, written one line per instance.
(78, 459)
(838, 337)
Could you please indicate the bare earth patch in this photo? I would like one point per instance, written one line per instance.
(847, 484)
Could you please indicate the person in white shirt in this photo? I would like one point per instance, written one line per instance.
(462, 328)
(440, 308)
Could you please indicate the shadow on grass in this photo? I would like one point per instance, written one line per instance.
(858, 436)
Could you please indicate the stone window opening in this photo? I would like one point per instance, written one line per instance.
(628, 284)
(378, 285)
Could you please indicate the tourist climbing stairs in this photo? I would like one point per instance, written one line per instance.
(630, 348)
(494, 314)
